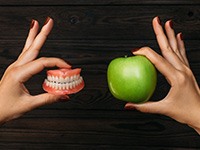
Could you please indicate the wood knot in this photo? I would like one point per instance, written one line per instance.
(190, 13)
(74, 19)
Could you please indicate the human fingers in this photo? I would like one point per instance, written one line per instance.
(34, 27)
(160, 63)
(172, 39)
(38, 42)
(45, 99)
(28, 70)
(164, 44)
(148, 107)
(171, 36)
(182, 49)
(30, 102)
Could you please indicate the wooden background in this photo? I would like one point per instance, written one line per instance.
(89, 34)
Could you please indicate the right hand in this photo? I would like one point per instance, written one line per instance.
(182, 103)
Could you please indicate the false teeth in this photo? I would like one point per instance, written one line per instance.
(63, 81)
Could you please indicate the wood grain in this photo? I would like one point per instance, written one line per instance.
(89, 34)
(90, 22)
(103, 129)
(96, 2)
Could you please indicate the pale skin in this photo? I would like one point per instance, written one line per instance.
(182, 103)
(15, 99)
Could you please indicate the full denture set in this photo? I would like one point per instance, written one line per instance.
(63, 81)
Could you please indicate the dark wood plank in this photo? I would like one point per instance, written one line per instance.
(89, 34)
(103, 129)
(96, 2)
(100, 22)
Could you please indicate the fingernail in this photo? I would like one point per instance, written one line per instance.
(158, 20)
(171, 24)
(129, 107)
(47, 20)
(134, 50)
(32, 23)
(64, 98)
(68, 63)
(181, 36)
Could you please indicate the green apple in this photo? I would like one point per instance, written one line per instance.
(132, 79)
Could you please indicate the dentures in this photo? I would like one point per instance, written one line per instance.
(63, 81)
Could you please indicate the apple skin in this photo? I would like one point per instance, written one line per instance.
(132, 79)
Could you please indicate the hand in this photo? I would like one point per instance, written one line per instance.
(182, 103)
(15, 99)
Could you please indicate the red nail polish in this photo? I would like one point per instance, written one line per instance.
(134, 50)
(171, 24)
(32, 24)
(129, 107)
(47, 20)
(64, 98)
(158, 20)
(181, 36)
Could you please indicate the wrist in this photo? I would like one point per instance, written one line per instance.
(2, 117)
(197, 130)
(2, 120)
(194, 121)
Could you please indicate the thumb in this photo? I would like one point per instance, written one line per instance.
(47, 98)
(147, 107)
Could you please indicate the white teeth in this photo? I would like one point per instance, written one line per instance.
(71, 78)
(67, 79)
(56, 79)
(60, 83)
(48, 83)
(70, 85)
(52, 85)
(66, 86)
(61, 79)
(52, 78)
(56, 86)
(49, 78)
(59, 86)
(63, 86)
